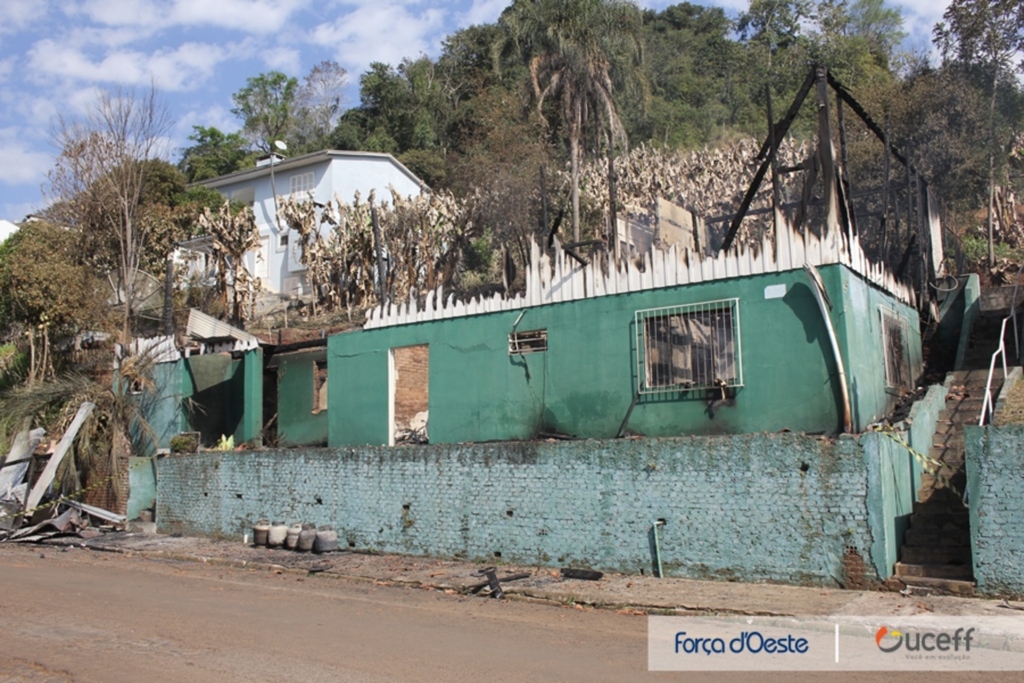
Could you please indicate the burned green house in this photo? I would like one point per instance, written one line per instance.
(678, 345)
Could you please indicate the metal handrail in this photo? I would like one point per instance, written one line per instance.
(988, 405)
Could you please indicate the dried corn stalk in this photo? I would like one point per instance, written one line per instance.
(709, 182)
(234, 235)
(422, 240)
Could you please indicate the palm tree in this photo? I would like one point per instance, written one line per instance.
(576, 50)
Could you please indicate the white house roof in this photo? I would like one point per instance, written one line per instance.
(308, 160)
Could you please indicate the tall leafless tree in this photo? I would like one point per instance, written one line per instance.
(98, 180)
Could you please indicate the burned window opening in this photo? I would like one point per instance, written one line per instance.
(894, 347)
(531, 341)
(319, 386)
(410, 394)
(689, 347)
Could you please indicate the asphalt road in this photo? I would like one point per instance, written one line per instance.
(78, 615)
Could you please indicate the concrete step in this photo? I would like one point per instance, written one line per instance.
(941, 586)
(971, 404)
(905, 570)
(957, 555)
(949, 440)
(940, 521)
(964, 376)
(937, 537)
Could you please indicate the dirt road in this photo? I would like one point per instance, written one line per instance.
(77, 615)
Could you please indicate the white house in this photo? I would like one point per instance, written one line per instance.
(325, 173)
(7, 229)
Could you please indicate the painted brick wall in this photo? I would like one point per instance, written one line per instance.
(995, 486)
(411, 383)
(777, 507)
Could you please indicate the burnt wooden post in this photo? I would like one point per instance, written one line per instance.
(543, 201)
(886, 170)
(844, 169)
(773, 155)
(613, 228)
(825, 151)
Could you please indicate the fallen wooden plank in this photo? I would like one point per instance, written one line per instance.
(105, 515)
(46, 478)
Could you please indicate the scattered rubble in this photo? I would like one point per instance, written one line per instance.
(24, 517)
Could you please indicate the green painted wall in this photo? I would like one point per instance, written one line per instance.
(972, 309)
(894, 477)
(297, 424)
(584, 383)
(141, 485)
(857, 318)
(161, 408)
(223, 396)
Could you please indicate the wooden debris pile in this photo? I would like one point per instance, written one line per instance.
(30, 510)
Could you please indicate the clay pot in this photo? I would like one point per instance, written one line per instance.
(291, 541)
(306, 538)
(326, 540)
(277, 535)
(261, 532)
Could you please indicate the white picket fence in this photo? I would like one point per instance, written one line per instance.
(560, 278)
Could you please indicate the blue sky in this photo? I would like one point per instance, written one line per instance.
(54, 54)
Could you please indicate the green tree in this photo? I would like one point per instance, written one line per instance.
(214, 154)
(46, 288)
(576, 50)
(989, 35)
(265, 106)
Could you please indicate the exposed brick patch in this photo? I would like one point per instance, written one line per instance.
(859, 575)
(411, 383)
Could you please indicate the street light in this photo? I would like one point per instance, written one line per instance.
(273, 188)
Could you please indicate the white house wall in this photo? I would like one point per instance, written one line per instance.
(341, 176)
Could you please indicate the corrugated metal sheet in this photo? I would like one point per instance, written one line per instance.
(207, 328)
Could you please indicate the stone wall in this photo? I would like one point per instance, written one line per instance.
(762, 507)
(995, 487)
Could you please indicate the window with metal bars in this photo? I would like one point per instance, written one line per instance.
(693, 346)
(532, 341)
(894, 347)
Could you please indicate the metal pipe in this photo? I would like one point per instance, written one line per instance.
(818, 287)
(657, 547)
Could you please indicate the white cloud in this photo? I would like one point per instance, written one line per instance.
(21, 165)
(15, 15)
(215, 116)
(381, 32)
(482, 12)
(247, 16)
(284, 59)
(6, 67)
(182, 68)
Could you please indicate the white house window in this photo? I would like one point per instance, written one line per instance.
(300, 184)
(692, 346)
(282, 241)
(894, 347)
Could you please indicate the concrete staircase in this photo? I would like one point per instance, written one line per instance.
(936, 550)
